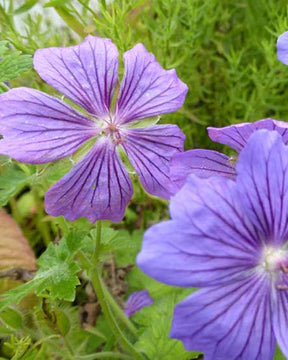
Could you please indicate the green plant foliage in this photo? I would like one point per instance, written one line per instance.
(56, 277)
(155, 341)
(12, 180)
(12, 63)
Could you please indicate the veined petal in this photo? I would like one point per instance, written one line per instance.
(282, 48)
(236, 136)
(39, 128)
(203, 163)
(147, 89)
(229, 322)
(136, 301)
(212, 210)
(181, 255)
(85, 73)
(150, 150)
(97, 188)
(262, 184)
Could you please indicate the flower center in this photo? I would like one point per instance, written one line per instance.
(275, 262)
(112, 131)
(274, 259)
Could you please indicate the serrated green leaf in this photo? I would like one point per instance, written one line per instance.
(13, 65)
(25, 7)
(58, 271)
(155, 341)
(12, 181)
(56, 277)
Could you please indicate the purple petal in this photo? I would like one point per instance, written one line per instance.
(280, 318)
(136, 301)
(211, 207)
(203, 163)
(97, 188)
(282, 48)
(150, 150)
(39, 128)
(204, 244)
(147, 89)
(229, 322)
(236, 136)
(262, 183)
(85, 73)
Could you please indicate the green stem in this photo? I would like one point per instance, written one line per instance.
(63, 225)
(97, 285)
(14, 209)
(118, 311)
(4, 87)
(41, 225)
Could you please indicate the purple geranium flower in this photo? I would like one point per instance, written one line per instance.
(205, 163)
(136, 301)
(39, 128)
(229, 237)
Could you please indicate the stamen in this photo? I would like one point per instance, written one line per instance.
(282, 287)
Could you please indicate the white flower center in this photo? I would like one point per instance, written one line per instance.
(274, 259)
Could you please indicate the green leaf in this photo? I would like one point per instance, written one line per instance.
(155, 341)
(64, 12)
(25, 7)
(12, 318)
(57, 272)
(56, 277)
(13, 65)
(12, 181)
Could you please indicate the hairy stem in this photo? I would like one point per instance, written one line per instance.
(95, 277)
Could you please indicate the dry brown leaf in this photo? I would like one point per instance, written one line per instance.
(15, 251)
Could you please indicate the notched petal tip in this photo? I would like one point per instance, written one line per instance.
(85, 73)
(147, 89)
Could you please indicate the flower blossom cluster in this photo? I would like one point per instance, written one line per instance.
(228, 230)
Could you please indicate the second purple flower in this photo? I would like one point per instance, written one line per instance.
(39, 128)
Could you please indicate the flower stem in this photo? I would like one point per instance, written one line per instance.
(97, 285)
(41, 225)
(118, 311)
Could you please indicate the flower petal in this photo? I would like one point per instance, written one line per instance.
(229, 322)
(85, 73)
(262, 183)
(176, 254)
(282, 48)
(39, 128)
(97, 188)
(136, 301)
(147, 89)
(150, 150)
(204, 244)
(211, 208)
(236, 136)
(203, 163)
